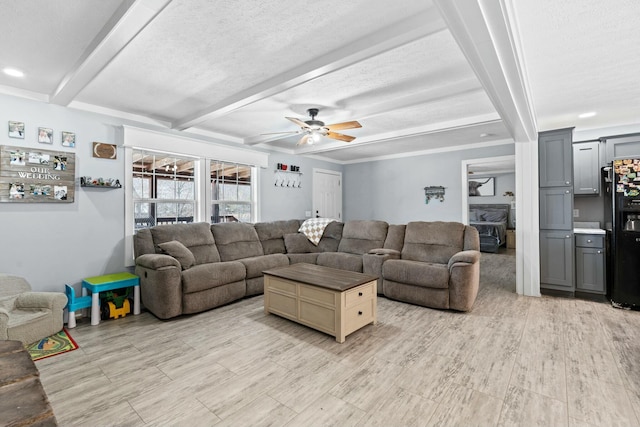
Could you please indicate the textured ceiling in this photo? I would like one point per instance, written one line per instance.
(427, 75)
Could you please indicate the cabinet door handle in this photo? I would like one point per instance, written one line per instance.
(567, 182)
(359, 313)
(595, 190)
(568, 236)
(599, 252)
(359, 294)
(568, 191)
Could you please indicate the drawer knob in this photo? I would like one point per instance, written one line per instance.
(359, 313)
(589, 240)
(567, 182)
(599, 252)
(359, 294)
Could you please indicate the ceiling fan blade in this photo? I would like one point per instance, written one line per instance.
(304, 140)
(340, 136)
(298, 122)
(345, 125)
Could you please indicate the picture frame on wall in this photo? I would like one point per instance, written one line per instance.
(33, 175)
(482, 187)
(68, 139)
(16, 129)
(45, 135)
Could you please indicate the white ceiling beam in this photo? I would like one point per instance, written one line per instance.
(126, 23)
(430, 95)
(484, 30)
(402, 133)
(391, 37)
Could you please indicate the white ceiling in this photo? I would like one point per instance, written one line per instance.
(427, 75)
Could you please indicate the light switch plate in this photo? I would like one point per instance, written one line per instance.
(576, 213)
(307, 214)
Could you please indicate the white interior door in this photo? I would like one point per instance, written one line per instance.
(327, 194)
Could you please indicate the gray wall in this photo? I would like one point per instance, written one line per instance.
(288, 203)
(393, 190)
(54, 244)
(503, 182)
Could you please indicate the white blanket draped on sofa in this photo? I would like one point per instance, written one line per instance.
(313, 228)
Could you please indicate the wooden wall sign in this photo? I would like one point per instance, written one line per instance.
(30, 175)
(104, 151)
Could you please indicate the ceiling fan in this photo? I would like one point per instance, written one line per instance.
(314, 129)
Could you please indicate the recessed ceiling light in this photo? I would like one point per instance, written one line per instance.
(13, 72)
(587, 115)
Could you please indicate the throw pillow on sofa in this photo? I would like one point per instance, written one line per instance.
(180, 252)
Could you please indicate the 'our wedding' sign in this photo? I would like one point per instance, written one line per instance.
(29, 175)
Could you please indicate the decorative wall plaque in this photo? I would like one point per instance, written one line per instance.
(104, 151)
(30, 175)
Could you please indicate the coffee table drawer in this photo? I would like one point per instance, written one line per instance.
(358, 316)
(360, 294)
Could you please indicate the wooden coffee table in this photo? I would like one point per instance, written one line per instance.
(336, 302)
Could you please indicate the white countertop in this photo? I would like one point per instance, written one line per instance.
(589, 231)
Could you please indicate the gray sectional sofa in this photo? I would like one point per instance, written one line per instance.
(189, 268)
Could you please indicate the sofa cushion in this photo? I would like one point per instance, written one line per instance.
(395, 237)
(196, 236)
(331, 237)
(180, 252)
(206, 276)
(416, 273)
(360, 236)
(434, 242)
(271, 234)
(298, 243)
(236, 240)
(256, 265)
(341, 261)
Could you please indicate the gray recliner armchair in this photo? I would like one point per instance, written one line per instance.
(28, 316)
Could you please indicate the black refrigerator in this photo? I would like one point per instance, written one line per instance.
(625, 234)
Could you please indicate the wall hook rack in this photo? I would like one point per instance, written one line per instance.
(434, 192)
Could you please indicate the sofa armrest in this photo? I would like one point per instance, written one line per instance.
(464, 279)
(157, 261)
(469, 257)
(4, 324)
(55, 301)
(160, 284)
(372, 263)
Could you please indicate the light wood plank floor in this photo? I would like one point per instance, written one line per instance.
(513, 360)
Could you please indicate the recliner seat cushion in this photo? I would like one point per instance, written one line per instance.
(341, 261)
(416, 273)
(206, 276)
(434, 242)
(256, 265)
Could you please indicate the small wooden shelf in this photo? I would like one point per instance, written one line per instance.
(84, 182)
(100, 186)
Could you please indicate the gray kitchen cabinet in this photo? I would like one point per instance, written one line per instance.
(556, 260)
(556, 208)
(555, 158)
(590, 263)
(555, 171)
(586, 168)
(621, 147)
